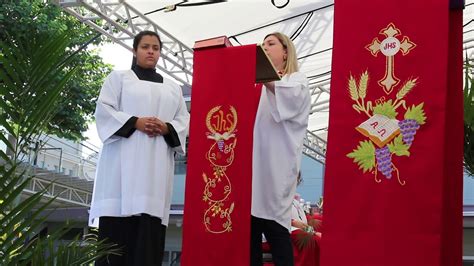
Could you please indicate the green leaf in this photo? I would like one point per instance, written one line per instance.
(417, 113)
(386, 109)
(398, 148)
(39, 76)
(304, 240)
(26, 27)
(468, 121)
(469, 150)
(469, 100)
(364, 155)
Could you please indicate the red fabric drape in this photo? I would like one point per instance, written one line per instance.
(308, 255)
(393, 183)
(451, 251)
(216, 226)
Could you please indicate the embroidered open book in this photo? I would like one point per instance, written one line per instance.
(380, 129)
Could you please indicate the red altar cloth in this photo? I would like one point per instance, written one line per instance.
(307, 256)
(393, 180)
(216, 226)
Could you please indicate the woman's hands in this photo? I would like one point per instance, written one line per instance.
(270, 86)
(298, 224)
(152, 126)
(303, 226)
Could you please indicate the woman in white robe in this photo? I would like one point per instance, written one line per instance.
(142, 121)
(305, 238)
(280, 126)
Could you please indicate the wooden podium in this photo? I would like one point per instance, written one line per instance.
(216, 226)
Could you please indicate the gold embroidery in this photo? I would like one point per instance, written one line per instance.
(389, 47)
(391, 133)
(222, 128)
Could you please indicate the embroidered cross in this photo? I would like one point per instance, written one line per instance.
(389, 47)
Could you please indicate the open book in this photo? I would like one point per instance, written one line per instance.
(380, 129)
(265, 71)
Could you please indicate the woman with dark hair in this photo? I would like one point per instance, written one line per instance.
(142, 121)
(280, 127)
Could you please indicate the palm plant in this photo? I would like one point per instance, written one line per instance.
(469, 121)
(31, 81)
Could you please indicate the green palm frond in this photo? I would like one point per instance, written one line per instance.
(469, 122)
(315, 223)
(469, 150)
(32, 79)
(79, 251)
(304, 240)
(469, 100)
(32, 85)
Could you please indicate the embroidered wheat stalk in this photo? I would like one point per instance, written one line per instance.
(234, 114)
(407, 87)
(360, 92)
(364, 78)
(353, 91)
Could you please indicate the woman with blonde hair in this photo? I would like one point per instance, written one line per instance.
(279, 130)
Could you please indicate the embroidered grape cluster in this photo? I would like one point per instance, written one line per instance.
(220, 145)
(393, 136)
(408, 128)
(384, 161)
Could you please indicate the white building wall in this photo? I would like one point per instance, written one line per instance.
(65, 157)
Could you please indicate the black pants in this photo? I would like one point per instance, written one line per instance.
(141, 239)
(277, 236)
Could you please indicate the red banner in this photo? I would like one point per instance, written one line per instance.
(452, 230)
(216, 226)
(393, 183)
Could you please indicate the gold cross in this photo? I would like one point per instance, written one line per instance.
(389, 47)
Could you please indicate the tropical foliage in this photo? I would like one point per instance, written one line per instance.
(469, 121)
(49, 79)
(33, 80)
(26, 20)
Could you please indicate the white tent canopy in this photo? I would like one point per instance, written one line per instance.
(308, 23)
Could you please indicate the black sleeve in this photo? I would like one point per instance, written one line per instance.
(128, 128)
(172, 137)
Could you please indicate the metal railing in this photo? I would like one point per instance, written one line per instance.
(61, 192)
(120, 21)
(74, 188)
